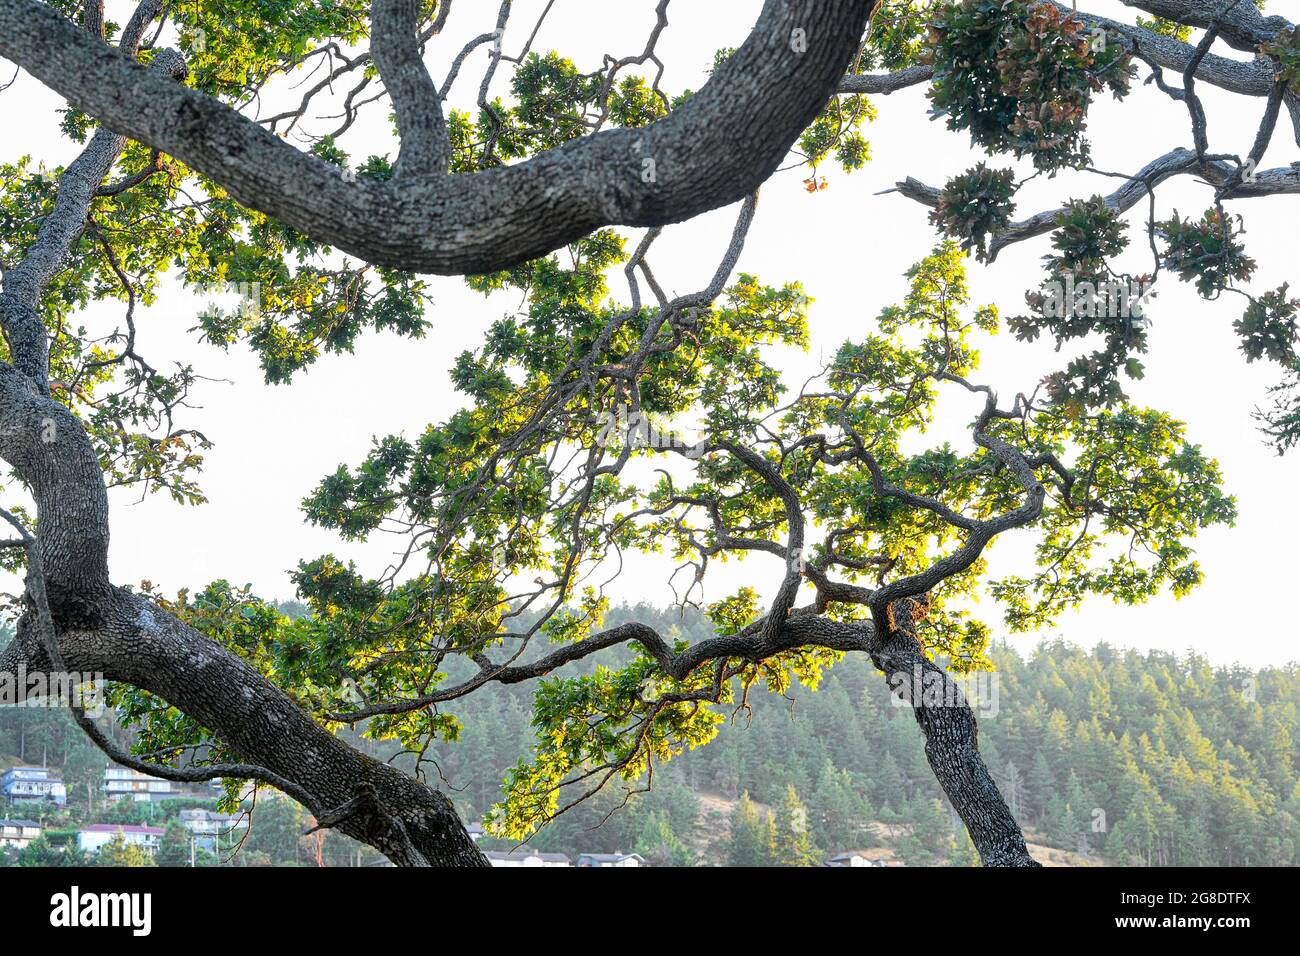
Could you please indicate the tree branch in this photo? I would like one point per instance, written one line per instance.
(713, 150)
(395, 45)
(1177, 162)
(886, 83)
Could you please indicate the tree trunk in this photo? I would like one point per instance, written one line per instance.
(140, 644)
(952, 748)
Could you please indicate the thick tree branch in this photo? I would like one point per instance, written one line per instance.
(42, 621)
(24, 284)
(952, 749)
(942, 713)
(395, 45)
(140, 644)
(78, 620)
(1253, 78)
(41, 438)
(1242, 24)
(712, 151)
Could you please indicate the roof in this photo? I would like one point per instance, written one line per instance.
(875, 854)
(23, 768)
(527, 855)
(130, 772)
(120, 828)
(19, 823)
(611, 857)
(211, 815)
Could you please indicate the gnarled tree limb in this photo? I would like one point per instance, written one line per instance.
(713, 150)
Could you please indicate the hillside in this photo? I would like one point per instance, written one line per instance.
(1106, 757)
(1109, 755)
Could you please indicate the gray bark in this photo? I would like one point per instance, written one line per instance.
(942, 712)
(712, 151)
(102, 629)
(136, 642)
(1241, 24)
(952, 749)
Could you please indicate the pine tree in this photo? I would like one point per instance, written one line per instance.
(275, 828)
(660, 845)
(931, 839)
(117, 852)
(837, 813)
(963, 851)
(749, 844)
(793, 844)
(174, 849)
(38, 853)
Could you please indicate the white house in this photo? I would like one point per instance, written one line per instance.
(123, 782)
(96, 836)
(33, 785)
(18, 833)
(876, 857)
(208, 826)
(527, 857)
(611, 859)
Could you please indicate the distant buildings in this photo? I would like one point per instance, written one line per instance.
(875, 857)
(33, 785)
(96, 836)
(18, 833)
(208, 827)
(123, 782)
(611, 859)
(532, 858)
(25, 784)
(527, 857)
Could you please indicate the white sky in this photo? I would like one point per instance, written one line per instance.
(847, 245)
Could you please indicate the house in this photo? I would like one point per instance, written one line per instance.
(18, 833)
(878, 856)
(611, 859)
(527, 857)
(123, 782)
(96, 836)
(475, 831)
(208, 827)
(33, 785)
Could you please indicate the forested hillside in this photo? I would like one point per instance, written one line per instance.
(1116, 756)
(1129, 758)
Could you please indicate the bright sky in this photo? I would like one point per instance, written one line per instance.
(847, 245)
